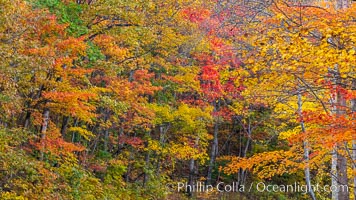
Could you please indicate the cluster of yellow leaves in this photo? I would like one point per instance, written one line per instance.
(187, 152)
(110, 48)
(265, 165)
(188, 80)
(82, 131)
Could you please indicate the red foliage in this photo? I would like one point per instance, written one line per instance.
(133, 141)
(196, 15)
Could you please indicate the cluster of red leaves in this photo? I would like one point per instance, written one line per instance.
(196, 15)
(133, 141)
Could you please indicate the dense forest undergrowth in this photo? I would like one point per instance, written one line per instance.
(186, 99)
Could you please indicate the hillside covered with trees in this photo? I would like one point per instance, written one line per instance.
(157, 99)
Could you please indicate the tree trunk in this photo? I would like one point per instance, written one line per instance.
(64, 126)
(192, 171)
(214, 150)
(306, 150)
(191, 176)
(162, 139)
(27, 119)
(106, 139)
(334, 178)
(341, 159)
(339, 162)
(120, 143)
(106, 131)
(147, 164)
(342, 177)
(334, 175)
(354, 167)
(353, 109)
(214, 147)
(44, 130)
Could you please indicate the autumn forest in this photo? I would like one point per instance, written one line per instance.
(184, 99)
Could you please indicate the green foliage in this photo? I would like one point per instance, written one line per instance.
(104, 155)
(68, 13)
(94, 53)
(4, 98)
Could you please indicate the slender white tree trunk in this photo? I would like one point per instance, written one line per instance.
(353, 109)
(333, 172)
(306, 150)
(44, 130)
(339, 161)
(334, 184)
(214, 147)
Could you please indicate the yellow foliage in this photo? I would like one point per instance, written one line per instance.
(82, 131)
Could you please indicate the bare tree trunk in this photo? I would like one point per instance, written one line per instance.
(44, 130)
(120, 144)
(106, 139)
(339, 162)
(354, 167)
(192, 168)
(214, 147)
(27, 119)
(147, 165)
(64, 126)
(341, 159)
(106, 131)
(75, 124)
(162, 133)
(191, 175)
(353, 109)
(342, 177)
(243, 171)
(33, 97)
(339, 174)
(45, 123)
(214, 150)
(334, 178)
(333, 172)
(306, 150)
